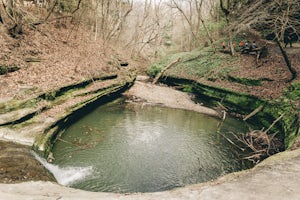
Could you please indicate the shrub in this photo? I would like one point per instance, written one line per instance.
(154, 70)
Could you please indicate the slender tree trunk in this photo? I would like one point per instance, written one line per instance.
(232, 50)
(1, 20)
(96, 27)
(10, 8)
(208, 35)
(226, 12)
(287, 61)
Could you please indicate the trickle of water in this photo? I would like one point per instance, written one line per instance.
(65, 175)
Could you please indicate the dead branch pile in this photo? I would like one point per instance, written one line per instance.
(260, 144)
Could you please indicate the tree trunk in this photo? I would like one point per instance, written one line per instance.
(232, 50)
(287, 61)
(10, 8)
(1, 20)
(208, 35)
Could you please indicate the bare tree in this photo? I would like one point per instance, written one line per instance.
(227, 7)
(199, 4)
(149, 24)
(283, 21)
(192, 12)
(14, 15)
(277, 17)
(192, 17)
(110, 17)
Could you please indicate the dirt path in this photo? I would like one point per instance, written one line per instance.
(147, 93)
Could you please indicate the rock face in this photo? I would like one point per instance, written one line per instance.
(17, 164)
(35, 121)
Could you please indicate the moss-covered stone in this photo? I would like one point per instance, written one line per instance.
(12, 105)
(44, 142)
(243, 104)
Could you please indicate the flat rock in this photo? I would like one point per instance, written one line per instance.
(15, 115)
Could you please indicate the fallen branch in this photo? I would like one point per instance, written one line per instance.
(223, 119)
(274, 122)
(230, 141)
(194, 58)
(165, 69)
(223, 111)
(253, 112)
(71, 143)
(222, 107)
(260, 143)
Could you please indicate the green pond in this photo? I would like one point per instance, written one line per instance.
(121, 147)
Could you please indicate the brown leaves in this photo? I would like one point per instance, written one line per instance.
(60, 62)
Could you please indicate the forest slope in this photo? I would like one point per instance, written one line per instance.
(266, 78)
(51, 57)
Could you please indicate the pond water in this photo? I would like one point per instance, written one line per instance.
(123, 148)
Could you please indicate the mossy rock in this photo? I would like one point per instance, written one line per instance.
(243, 104)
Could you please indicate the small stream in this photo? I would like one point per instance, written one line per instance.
(123, 147)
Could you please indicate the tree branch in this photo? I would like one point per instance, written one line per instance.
(77, 7)
(165, 69)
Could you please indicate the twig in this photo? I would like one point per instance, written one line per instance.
(230, 141)
(51, 10)
(70, 143)
(221, 106)
(257, 156)
(77, 7)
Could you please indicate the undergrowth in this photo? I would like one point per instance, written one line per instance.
(200, 64)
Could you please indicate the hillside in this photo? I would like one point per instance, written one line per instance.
(266, 78)
(50, 57)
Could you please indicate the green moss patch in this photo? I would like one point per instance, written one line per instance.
(197, 64)
(242, 104)
(292, 92)
(246, 81)
(4, 69)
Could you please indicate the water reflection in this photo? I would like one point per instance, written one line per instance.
(146, 149)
